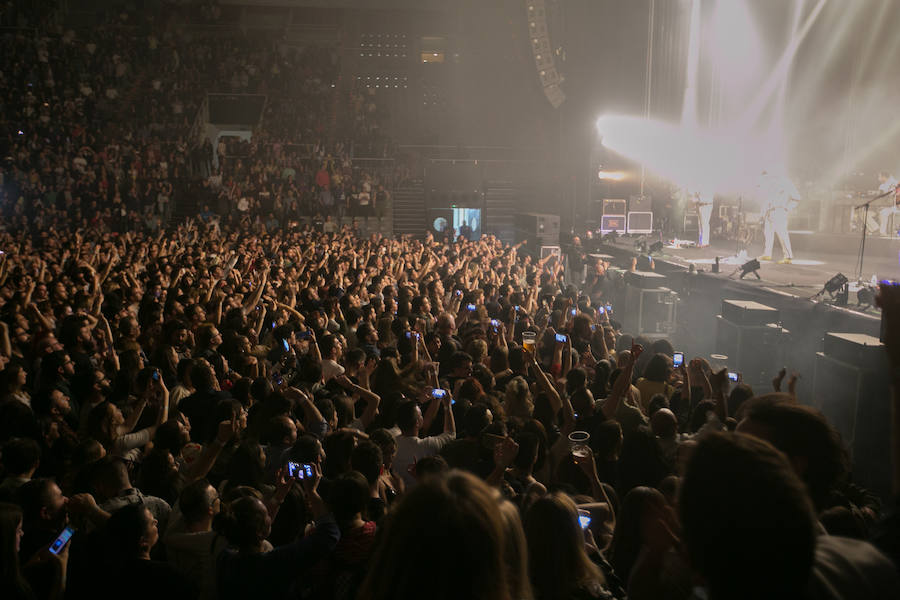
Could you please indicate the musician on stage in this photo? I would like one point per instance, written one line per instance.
(781, 197)
(704, 202)
(888, 183)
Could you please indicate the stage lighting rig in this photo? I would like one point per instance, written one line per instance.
(751, 266)
(865, 297)
(835, 283)
(838, 284)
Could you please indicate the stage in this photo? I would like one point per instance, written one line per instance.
(817, 257)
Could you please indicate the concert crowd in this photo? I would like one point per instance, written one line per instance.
(239, 405)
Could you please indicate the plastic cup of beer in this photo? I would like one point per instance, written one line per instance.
(529, 341)
(578, 444)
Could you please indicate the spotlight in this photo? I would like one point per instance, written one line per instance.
(835, 283)
(865, 296)
(656, 247)
(751, 266)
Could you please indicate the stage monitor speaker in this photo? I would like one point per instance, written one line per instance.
(610, 223)
(649, 311)
(614, 206)
(743, 312)
(640, 203)
(856, 401)
(646, 280)
(856, 349)
(754, 350)
(640, 222)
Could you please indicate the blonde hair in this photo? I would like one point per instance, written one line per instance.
(517, 400)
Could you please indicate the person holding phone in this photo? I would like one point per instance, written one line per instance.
(107, 424)
(657, 375)
(245, 571)
(558, 547)
(43, 573)
(410, 447)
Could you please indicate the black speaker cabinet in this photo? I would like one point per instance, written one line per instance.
(754, 350)
(648, 310)
(744, 312)
(857, 402)
(543, 229)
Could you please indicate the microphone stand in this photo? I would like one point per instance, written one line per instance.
(865, 231)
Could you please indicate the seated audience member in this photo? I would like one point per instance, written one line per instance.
(744, 511)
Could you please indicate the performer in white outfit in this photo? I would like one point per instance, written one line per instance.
(780, 198)
(704, 201)
(888, 183)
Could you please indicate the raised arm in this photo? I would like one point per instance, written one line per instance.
(622, 384)
(544, 383)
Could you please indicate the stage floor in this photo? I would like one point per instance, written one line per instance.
(817, 257)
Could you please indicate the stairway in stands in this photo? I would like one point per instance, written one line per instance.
(501, 198)
(409, 209)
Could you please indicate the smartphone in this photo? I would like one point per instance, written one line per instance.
(155, 375)
(409, 335)
(609, 308)
(733, 375)
(518, 308)
(495, 323)
(61, 540)
(561, 337)
(438, 393)
(299, 470)
(678, 359)
(584, 518)
(457, 293)
(304, 335)
(601, 310)
(470, 307)
(573, 311)
(277, 379)
(273, 324)
(285, 345)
